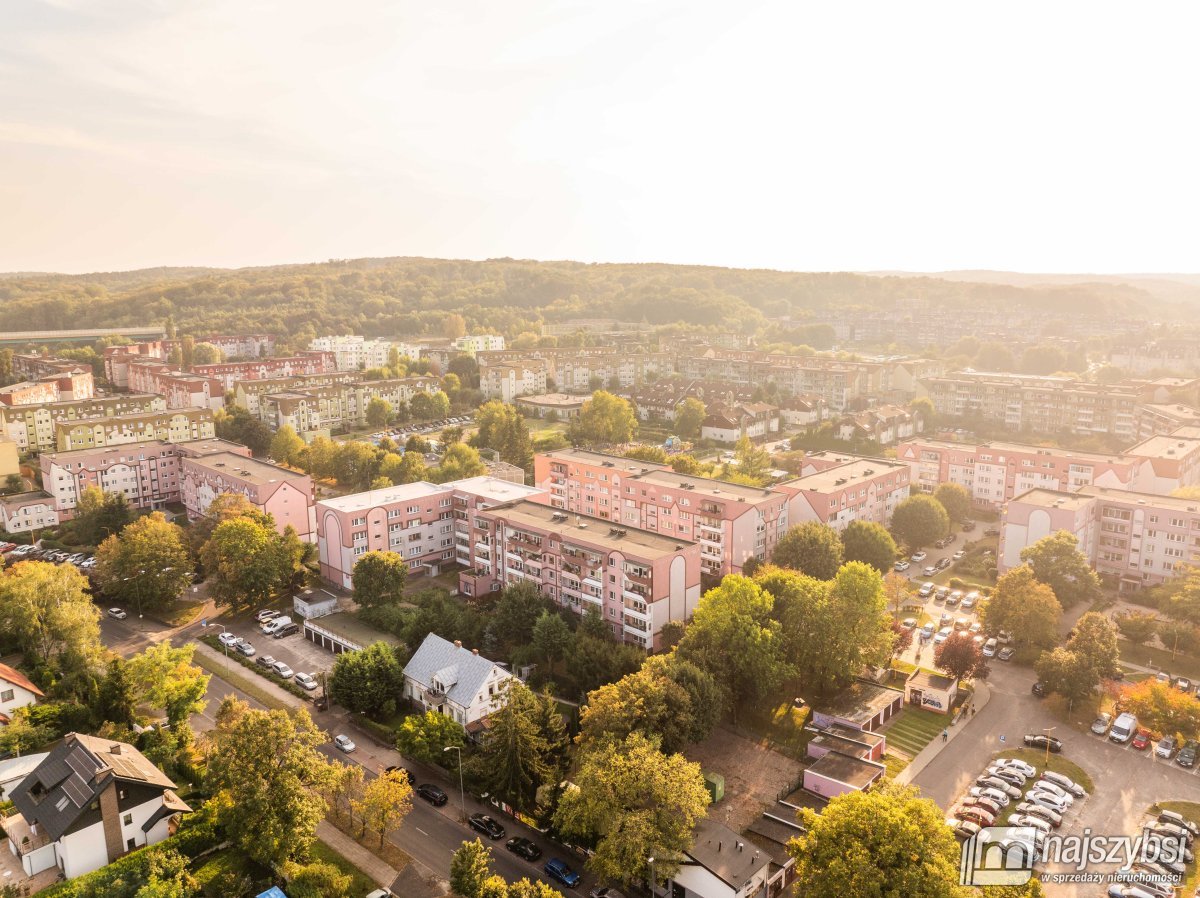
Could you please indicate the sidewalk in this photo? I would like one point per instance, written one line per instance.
(383, 874)
(982, 696)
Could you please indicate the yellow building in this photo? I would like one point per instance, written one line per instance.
(10, 461)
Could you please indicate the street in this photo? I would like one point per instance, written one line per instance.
(429, 835)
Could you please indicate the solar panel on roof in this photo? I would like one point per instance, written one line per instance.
(77, 792)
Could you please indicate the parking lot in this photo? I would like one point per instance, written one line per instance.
(295, 651)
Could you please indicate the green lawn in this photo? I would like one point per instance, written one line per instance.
(360, 882)
(216, 873)
(780, 726)
(1182, 665)
(1190, 811)
(912, 729)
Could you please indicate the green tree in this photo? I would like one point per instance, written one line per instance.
(1043, 360)
(48, 613)
(516, 755)
(994, 357)
(1094, 639)
(923, 406)
(378, 578)
(379, 412)
(99, 515)
(689, 415)
(386, 801)
(812, 548)
(470, 868)
(369, 681)
(1182, 597)
(355, 464)
(1137, 627)
(148, 563)
(247, 563)
(459, 462)
(501, 427)
(1056, 561)
(22, 735)
(551, 638)
(919, 521)
(1162, 707)
(207, 354)
(266, 772)
(830, 630)
(1067, 673)
(870, 543)
(188, 350)
(163, 676)
(885, 842)
(410, 469)
(424, 737)
(733, 637)
(286, 445)
(636, 802)
(959, 657)
(1023, 606)
(603, 420)
(426, 406)
(752, 462)
(955, 499)
(116, 701)
(516, 614)
(224, 507)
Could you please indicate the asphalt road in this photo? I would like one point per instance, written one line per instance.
(429, 835)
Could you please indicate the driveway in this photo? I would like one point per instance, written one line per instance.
(1127, 781)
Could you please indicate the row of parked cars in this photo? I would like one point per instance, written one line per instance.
(85, 561)
(1038, 803)
(1163, 853)
(427, 427)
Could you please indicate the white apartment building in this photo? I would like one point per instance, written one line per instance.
(473, 343)
(356, 353)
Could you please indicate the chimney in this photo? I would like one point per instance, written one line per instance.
(718, 847)
(458, 643)
(116, 748)
(741, 845)
(474, 651)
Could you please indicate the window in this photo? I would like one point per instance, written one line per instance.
(358, 522)
(130, 844)
(6, 695)
(127, 820)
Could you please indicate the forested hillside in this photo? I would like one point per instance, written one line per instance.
(413, 296)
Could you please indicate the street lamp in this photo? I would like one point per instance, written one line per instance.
(224, 645)
(1047, 731)
(462, 795)
(650, 861)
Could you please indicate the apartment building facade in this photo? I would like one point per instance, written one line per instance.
(579, 370)
(885, 425)
(507, 382)
(1035, 403)
(356, 353)
(995, 472)
(179, 389)
(32, 427)
(1170, 462)
(428, 524)
(285, 495)
(248, 393)
(1159, 418)
(472, 344)
(638, 580)
(27, 511)
(179, 425)
(29, 392)
(862, 489)
(1135, 539)
(304, 362)
(323, 409)
(730, 523)
(729, 423)
(71, 379)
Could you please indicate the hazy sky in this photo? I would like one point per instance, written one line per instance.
(1047, 136)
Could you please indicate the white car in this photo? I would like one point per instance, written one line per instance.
(228, 638)
(993, 795)
(917, 556)
(283, 670)
(345, 743)
(1029, 820)
(1027, 770)
(117, 613)
(306, 681)
(901, 566)
(1065, 783)
(959, 554)
(1048, 800)
(925, 590)
(942, 635)
(1045, 785)
(1008, 774)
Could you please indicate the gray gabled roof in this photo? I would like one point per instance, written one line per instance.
(73, 774)
(450, 663)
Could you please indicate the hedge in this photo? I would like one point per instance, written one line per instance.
(235, 655)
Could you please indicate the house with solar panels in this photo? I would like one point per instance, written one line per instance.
(88, 803)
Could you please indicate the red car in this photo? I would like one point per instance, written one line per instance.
(1141, 739)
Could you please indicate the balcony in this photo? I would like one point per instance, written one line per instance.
(638, 610)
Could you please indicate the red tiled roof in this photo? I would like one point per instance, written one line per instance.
(14, 676)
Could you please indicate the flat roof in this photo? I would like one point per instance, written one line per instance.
(21, 499)
(70, 454)
(705, 487)
(846, 769)
(598, 532)
(374, 498)
(1015, 447)
(1165, 446)
(604, 459)
(716, 849)
(1054, 498)
(932, 680)
(250, 470)
(1147, 499)
(1187, 431)
(823, 481)
(854, 735)
(860, 701)
(343, 623)
(844, 744)
(562, 399)
(496, 489)
(1175, 409)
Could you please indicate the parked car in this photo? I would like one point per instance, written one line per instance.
(229, 639)
(930, 570)
(900, 566)
(908, 623)
(1183, 684)
(306, 681)
(246, 649)
(408, 774)
(283, 670)
(1006, 653)
(1141, 739)
(976, 815)
(1017, 764)
(265, 615)
(486, 825)
(954, 598)
(1123, 728)
(287, 630)
(942, 564)
(1165, 747)
(117, 613)
(1145, 879)
(1032, 808)
(432, 794)
(1171, 831)
(1175, 846)
(1101, 724)
(962, 624)
(1179, 820)
(984, 804)
(927, 632)
(926, 589)
(1039, 689)
(968, 526)
(1056, 782)
(1056, 803)
(522, 847)
(992, 795)
(917, 556)
(1117, 890)
(344, 742)
(1030, 820)
(989, 648)
(942, 635)
(995, 782)
(558, 870)
(1187, 754)
(970, 600)
(1041, 740)
(957, 556)
(1008, 774)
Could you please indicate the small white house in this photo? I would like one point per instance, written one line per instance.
(16, 691)
(443, 676)
(721, 864)
(89, 802)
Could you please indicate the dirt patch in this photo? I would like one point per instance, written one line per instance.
(755, 776)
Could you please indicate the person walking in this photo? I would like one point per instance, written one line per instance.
(945, 735)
